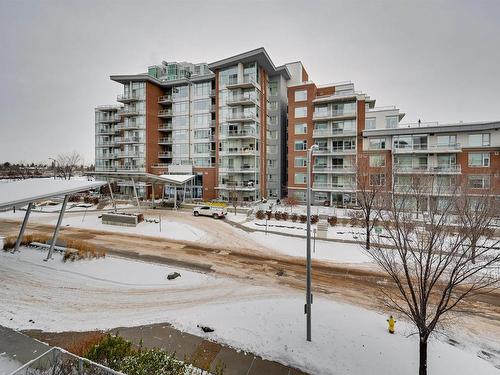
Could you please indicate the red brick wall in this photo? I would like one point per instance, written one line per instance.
(152, 133)
(209, 182)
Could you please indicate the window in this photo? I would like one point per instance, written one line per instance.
(300, 112)
(377, 160)
(446, 140)
(479, 182)
(201, 148)
(479, 159)
(300, 162)
(299, 195)
(377, 179)
(180, 92)
(370, 123)
(391, 122)
(201, 134)
(301, 145)
(479, 140)
(377, 143)
(300, 178)
(300, 128)
(300, 95)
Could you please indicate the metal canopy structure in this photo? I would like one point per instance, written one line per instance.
(173, 180)
(20, 193)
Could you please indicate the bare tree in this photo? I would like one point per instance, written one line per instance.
(370, 185)
(67, 164)
(291, 202)
(442, 260)
(234, 198)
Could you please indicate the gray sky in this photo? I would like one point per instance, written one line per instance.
(436, 60)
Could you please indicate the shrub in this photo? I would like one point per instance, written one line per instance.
(10, 242)
(110, 351)
(260, 214)
(81, 346)
(152, 361)
(332, 220)
(277, 215)
(284, 216)
(78, 250)
(90, 200)
(314, 219)
(354, 221)
(303, 218)
(74, 198)
(269, 215)
(294, 217)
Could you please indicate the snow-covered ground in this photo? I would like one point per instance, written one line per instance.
(170, 229)
(268, 321)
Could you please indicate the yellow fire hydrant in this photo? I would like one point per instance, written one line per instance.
(392, 322)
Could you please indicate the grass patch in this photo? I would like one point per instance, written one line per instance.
(81, 250)
(10, 242)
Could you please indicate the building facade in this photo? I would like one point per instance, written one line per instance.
(242, 127)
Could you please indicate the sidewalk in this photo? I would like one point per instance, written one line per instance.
(205, 354)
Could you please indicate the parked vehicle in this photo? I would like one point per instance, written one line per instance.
(215, 212)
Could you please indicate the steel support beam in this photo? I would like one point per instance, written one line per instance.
(56, 230)
(23, 227)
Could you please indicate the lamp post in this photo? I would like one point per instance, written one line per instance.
(308, 244)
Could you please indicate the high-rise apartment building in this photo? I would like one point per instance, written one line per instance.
(242, 126)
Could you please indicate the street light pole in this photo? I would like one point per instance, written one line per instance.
(308, 244)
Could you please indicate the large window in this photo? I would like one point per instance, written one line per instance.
(446, 140)
(300, 178)
(201, 148)
(479, 182)
(180, 92)
(370, 123)
(300, 95)
(377, 179)
(377, 161)
(300, 128)
(301, 145)
(202, 89)
(479, 159)
(300, 112)
(391, 122)
(377, 143)
(479, 140)
(300, 161)
(202, 105)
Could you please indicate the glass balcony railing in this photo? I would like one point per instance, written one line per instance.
(334, 113)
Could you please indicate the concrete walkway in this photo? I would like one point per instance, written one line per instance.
(202, 353)
(20, 347)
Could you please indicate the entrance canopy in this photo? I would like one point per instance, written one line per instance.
(167, 179)
(20, 193)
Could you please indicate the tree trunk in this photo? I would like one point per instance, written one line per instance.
(422, 370)
(368, 236)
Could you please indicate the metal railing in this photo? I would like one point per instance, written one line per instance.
(235, 99)
(165, 154)
(165, 99)
(247, 79)
(318, 115)
(333, 168)
(165, 112)
(333, 150)
(333, 132)
(452, 168)
(59, 361)
(241, 116)
(239, 133)
(127, 97)
(165, 141)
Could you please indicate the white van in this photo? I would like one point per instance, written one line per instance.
(215, 212)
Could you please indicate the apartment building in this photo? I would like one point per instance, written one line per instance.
(241, 126)
(223, 122)
(356, 137)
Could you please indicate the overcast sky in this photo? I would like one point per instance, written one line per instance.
(435, 60)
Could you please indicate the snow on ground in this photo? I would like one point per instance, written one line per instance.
(267, 321)
(171, 229)
(7, 364)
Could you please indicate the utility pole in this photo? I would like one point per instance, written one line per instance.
(308, 244)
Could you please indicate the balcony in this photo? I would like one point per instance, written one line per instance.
(238, 185)
(119, 168)
(239, 152)
(330, 115)
(128, 112)
(129, 126)
(238, 169)
(236, 100)
(106, 131)
(165, 141)
(242, 117)
(439, 169)
(333, 169)
(110, 119)
(129, 154)
(437, 190)
(165, 99)
(330, 186)
(327, 133)
(425, 148)
(239, 134)
(124, 140)
(335, 151)
(165, 154)
(246, 82)
(127, 98)
(212, 93)
(165, 113)
(105, 144)
(165, 127)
